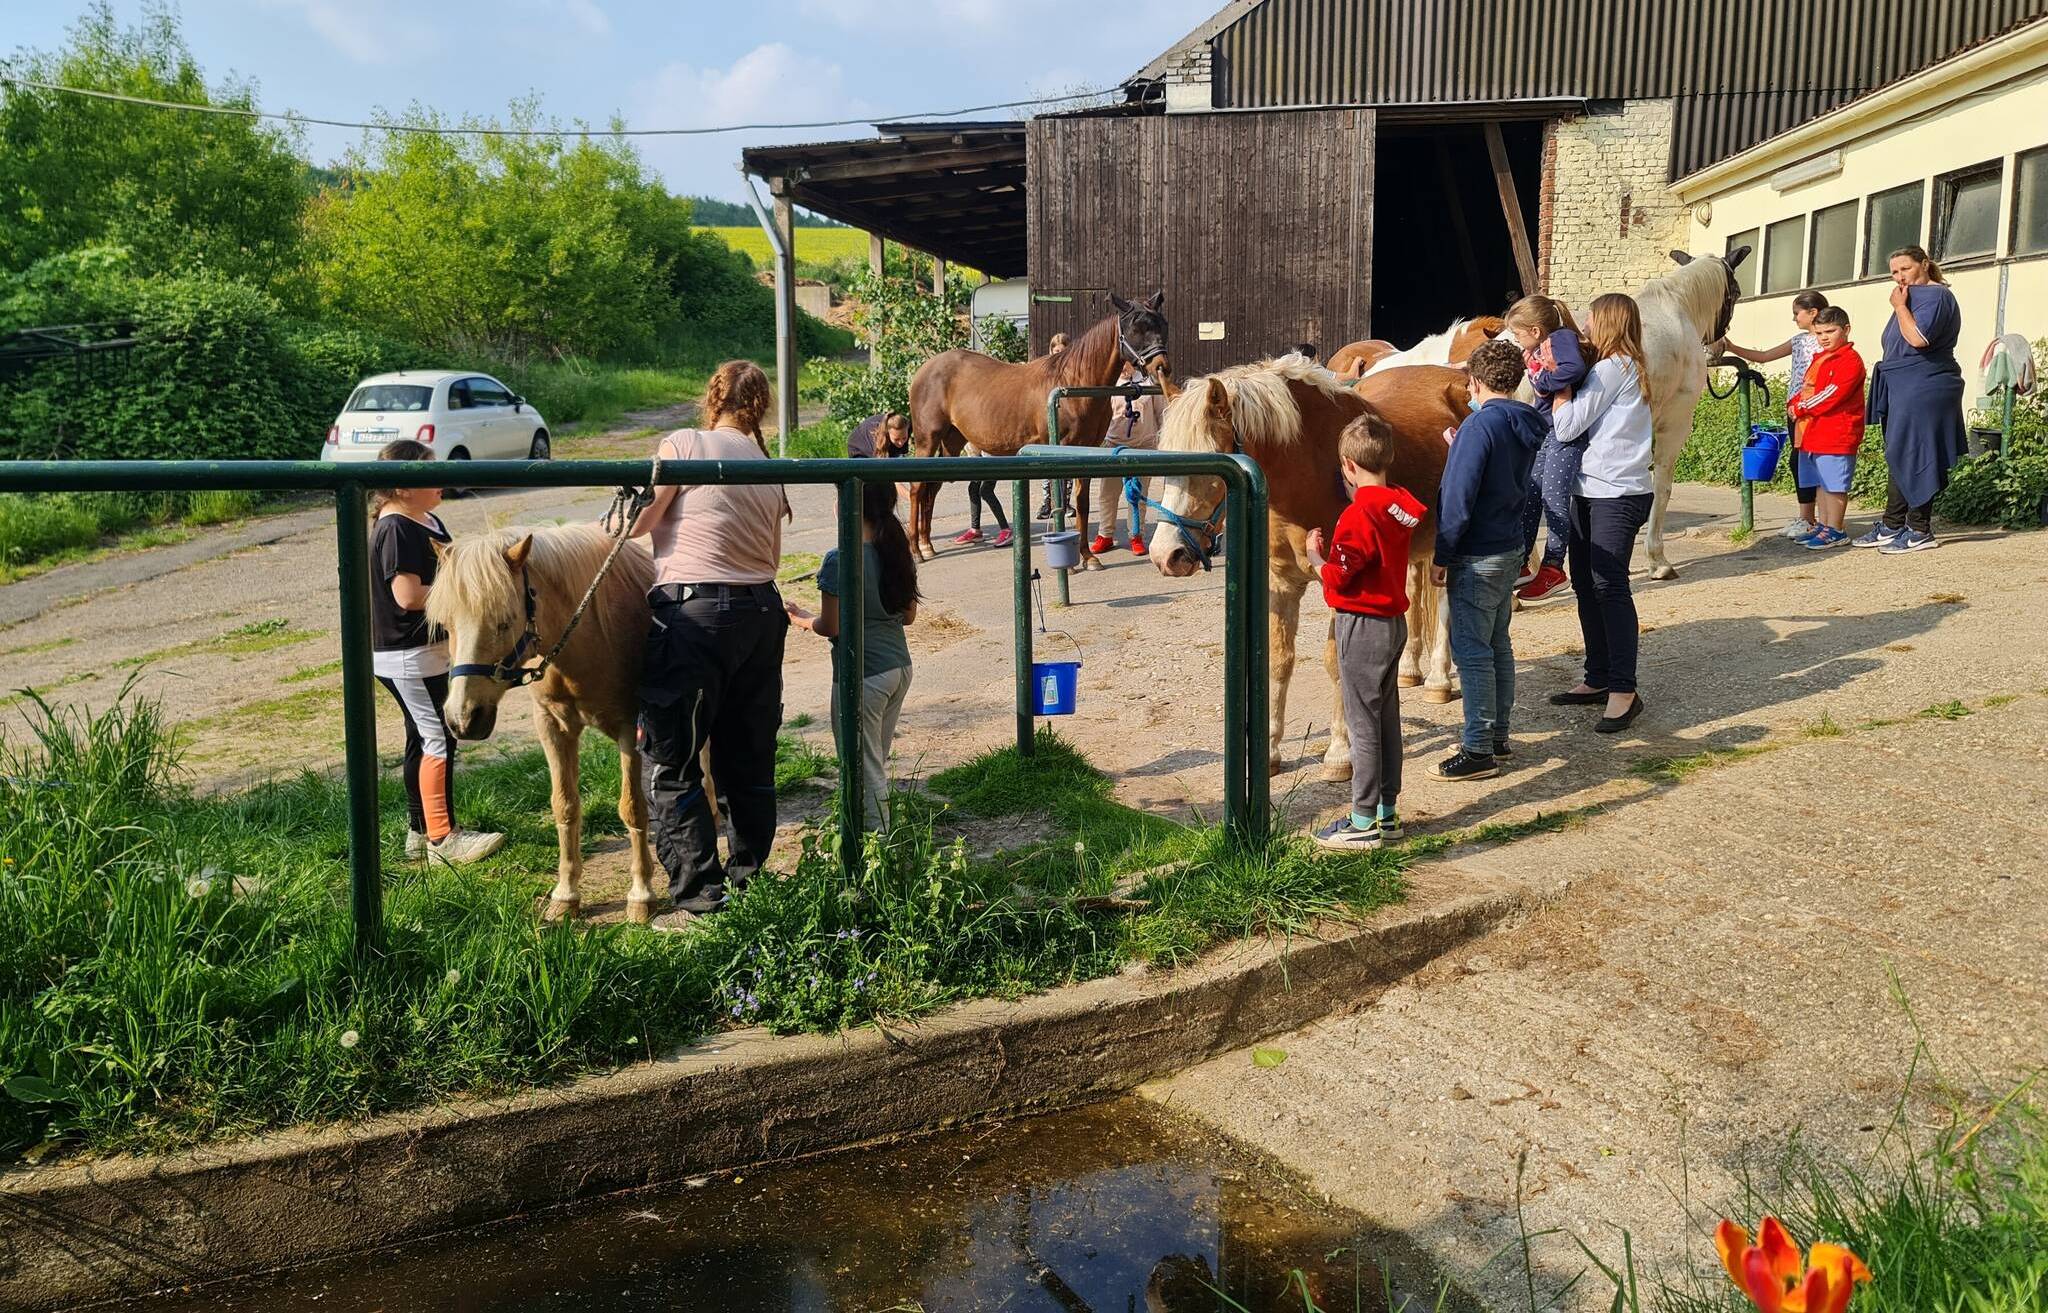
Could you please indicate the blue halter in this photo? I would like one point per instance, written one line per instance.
(1134, 490)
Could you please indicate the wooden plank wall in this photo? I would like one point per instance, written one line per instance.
(1261, 222)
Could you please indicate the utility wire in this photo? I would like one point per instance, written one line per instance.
(424, 129)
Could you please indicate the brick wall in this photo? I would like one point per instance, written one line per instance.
(1607, 216)
(1190, 80)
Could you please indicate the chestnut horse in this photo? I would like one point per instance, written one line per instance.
(961, 397)
(1286, 415)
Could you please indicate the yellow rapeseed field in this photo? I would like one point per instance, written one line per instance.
(813, 245)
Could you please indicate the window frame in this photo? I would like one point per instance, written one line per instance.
(1944, 210)
(1870, 219)
(2039, 156)
(1799, 223)
(1756, 248)
(1813, 278)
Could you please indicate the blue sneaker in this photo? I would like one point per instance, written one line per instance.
(1878, 536)
(1341, 836)
(1823, 538)
(1912, 540)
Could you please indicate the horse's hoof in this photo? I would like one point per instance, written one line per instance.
(1663, 572)
(639, 910)
(926, 552)
(1439, 695)
(564, 909)
(1092, 563)
(1336, 772)
(1411, 681)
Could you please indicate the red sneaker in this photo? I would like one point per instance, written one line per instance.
(1548, 582)
(966, 536)
(1004, 539)
(1101, 544)
(1137, 546)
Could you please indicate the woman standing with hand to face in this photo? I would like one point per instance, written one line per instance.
(1916, 393)
(713, 669)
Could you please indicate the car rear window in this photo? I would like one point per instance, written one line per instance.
(392, 397)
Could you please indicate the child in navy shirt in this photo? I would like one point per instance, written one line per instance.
(1364, 569)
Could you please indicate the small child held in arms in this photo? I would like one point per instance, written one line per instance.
(412, 663)
(888, 602)
(1555, 359)
(1480, 550)
(1364, 568)
(1830, 411)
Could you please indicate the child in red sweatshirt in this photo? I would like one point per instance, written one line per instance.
(1364, 568)
(1831, 403)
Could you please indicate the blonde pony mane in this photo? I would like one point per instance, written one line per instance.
(1262, 408)
(473, 581)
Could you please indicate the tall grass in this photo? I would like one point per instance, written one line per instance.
(174, 968)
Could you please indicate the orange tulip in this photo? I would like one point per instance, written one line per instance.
(1775, 1277)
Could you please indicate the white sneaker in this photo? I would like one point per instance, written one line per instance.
(1796, 529)
(415, 846)
(463, 846)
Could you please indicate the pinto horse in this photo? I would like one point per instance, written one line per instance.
(1354, 358)
(1453, 346)
(1683, 312)
(1287, 414)
(962, 397)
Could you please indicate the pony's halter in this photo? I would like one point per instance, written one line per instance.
(512, 671)
(1186, 526)
(1142, 359)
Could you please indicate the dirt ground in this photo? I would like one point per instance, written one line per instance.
(1717, 960)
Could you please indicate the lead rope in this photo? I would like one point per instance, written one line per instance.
(627, 504)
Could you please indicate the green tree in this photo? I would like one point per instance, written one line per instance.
(906, 326)
(182, 191)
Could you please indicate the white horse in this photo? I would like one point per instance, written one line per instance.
(1683, 312)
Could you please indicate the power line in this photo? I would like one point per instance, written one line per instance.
(236, 111)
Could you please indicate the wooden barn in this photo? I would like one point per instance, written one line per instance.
(1327, 170)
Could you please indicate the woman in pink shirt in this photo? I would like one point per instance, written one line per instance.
(713, 671)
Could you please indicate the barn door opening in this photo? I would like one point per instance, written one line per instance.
(1442, 249)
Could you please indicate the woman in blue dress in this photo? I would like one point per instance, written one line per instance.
(1916, 393)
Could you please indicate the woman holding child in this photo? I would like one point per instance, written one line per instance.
(1611, 498)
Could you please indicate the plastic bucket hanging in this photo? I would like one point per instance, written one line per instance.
(1760, 454)
(1054, 684)
(1062, 549)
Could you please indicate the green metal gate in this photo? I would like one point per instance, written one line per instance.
(1246, 784)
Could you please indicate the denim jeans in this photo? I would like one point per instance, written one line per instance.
(1481, 590)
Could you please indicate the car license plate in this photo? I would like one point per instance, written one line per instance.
(378, 436)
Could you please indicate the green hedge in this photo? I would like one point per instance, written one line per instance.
(1994, 489)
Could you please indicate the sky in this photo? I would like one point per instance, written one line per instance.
(686, 63)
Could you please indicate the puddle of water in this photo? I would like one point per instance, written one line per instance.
(1111, 1209)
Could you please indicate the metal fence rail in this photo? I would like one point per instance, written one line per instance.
(1246, 783)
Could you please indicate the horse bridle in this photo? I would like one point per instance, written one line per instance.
(1141, 359)
(1185, 526)
(512, 671)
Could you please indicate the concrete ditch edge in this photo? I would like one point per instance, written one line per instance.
(108, 1229)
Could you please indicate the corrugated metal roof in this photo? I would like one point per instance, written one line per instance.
(1739, 73)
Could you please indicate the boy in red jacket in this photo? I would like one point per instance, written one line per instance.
(1364, 567)
(1831, 403)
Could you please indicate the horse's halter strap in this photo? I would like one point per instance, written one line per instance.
(512, 671)
(1142, 359)
(1185, 526)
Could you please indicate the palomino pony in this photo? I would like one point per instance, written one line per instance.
(1683, 312)
(1453, 346)
(1287, 414)
(961, 397)
(504, 598)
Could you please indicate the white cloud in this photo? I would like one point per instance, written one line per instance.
(589, 16)
(366, 31)
(771, 83)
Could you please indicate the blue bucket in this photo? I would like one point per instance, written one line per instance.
(1053, 685)
(1760, 454)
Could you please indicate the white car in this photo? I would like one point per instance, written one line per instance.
(458, 415)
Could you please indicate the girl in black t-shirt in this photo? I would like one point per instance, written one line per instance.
(412, 664)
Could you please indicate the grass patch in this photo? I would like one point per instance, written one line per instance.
(1673, 770)
(2000, 700)
(1824, 728)
(823, 440)
(41, 531)
(325, 670)
(1741, 537)
(1950, 710)
(256, 636)
(797, 762)
(30, 694)
(587, 396)
(149, 998)
(34, 649)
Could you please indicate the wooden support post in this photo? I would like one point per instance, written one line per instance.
(876, 264)
(938, 278)
(1511, 208)
(1475, 286)
(785, 296)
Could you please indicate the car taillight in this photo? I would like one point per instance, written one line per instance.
(426, 433)
(334, 435)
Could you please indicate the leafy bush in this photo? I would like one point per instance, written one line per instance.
(905, 326)
(1001, 338)
(32, 528)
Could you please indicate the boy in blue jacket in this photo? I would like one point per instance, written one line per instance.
(1479, 551)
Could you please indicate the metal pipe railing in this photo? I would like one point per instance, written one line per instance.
(1246, 787)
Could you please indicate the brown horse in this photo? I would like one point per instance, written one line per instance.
(1354, 358)
(962, 397)
(1286, 415)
